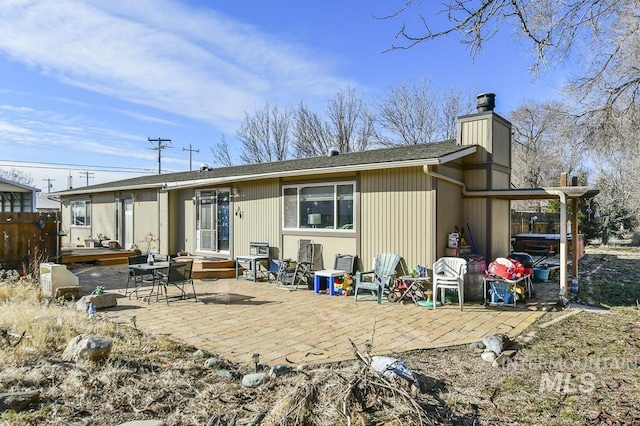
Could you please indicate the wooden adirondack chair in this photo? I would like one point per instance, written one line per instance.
(378, 280)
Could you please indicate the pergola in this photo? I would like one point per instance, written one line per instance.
(563, 193)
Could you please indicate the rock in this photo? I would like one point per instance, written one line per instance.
(497, 342)
(18, 401)
(501, 361)
(476, 345)
(213, 363)
(509, 352)
(488, 356)
(254, 380)
(279, 370)
(144, 423)
(86, 346)
(69, 293)
(228, 374)
(302, 367)
(100, 301)
(199, 354)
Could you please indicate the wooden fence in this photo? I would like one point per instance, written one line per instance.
(27, 240)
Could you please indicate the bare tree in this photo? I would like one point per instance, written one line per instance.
(312, 135)
(220, 151)
(602, 34)
(352, 123)
(546, 143)
(616, 153)
(349, 126)
(15, 175)
(453, 104)
(265, 135)
(407, 115)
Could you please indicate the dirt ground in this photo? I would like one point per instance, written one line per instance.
(577, 365)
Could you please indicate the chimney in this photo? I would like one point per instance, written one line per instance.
(486, 102)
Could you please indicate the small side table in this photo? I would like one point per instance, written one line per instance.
(253, 262)
(329, 274)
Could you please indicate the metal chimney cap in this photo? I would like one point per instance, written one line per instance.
(486, 102)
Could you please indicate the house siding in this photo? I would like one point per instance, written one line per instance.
(258, 219)
(396, 214)
(449, 208)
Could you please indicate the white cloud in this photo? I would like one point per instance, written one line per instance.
(160, 53)
(10, 128)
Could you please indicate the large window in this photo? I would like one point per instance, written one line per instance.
(81, 213)
(321, 206)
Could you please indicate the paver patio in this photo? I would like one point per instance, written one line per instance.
(236, 319)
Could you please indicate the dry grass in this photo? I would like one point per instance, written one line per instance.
(582, 370)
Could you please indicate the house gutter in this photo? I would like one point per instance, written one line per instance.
(501, 193)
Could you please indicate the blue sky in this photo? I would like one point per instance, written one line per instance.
(84, 84)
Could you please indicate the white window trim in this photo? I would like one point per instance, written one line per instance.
(335, 184)
(87, 213)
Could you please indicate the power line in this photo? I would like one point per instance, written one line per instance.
(10, 163)
(159, 148)
(190, 152)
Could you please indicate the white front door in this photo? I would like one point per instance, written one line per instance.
(212, 221)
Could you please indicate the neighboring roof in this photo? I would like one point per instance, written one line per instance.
(44, 203)
(19, 185)
(402, 156)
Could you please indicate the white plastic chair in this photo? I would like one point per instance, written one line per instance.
(448, 272)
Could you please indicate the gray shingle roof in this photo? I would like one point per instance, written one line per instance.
(372, 158)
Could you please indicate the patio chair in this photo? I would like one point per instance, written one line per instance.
(378, 280)
(304, 262)
(136, 275)
(448, 273)
(285, 274)
(178, 275)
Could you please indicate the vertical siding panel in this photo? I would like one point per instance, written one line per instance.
(259, 203)
(396, 207)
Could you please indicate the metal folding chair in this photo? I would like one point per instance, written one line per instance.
(304, 262)
(137, 276)
(178, 275)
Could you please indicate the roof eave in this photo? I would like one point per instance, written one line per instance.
(324, 170)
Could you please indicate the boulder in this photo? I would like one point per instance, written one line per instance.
(86, 346)
(254, 380)
(497, 343)
(73, 292)
(100, 301)
(17, 401)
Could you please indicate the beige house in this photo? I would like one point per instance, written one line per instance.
(405, 200)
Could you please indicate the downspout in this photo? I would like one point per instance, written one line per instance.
(429, 172)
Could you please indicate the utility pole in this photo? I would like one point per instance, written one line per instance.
(159, 148)
(190, 151)
(87, 174)
(49, 185)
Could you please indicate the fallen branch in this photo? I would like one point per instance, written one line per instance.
(6, 334)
